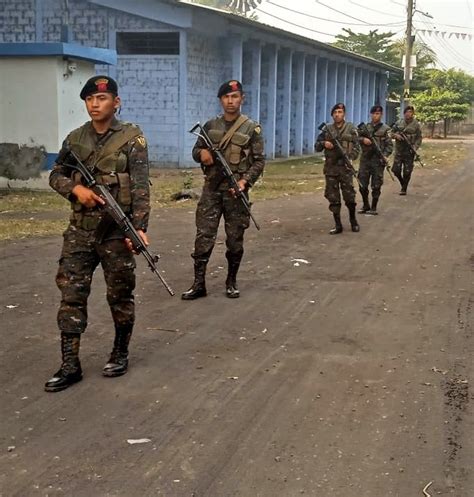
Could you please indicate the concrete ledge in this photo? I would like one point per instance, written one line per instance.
(40, 183)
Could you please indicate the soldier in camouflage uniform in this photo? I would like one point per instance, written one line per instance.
(241, 142)
(338, 177)
(116, 152)
(404, 160)
(371, 167)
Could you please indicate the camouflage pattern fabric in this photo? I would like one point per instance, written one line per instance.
(90, 239)
(338, 179)
(216, 200)
(403, 161)
(371, 170)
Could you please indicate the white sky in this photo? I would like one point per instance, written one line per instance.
(452, 16)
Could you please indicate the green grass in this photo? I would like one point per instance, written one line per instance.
(32, 213)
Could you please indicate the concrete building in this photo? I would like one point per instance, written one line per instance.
(172, 57)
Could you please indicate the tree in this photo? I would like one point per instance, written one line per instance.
(437, 104)
(380, 46)
(455, 80)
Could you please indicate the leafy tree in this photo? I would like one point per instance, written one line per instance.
(439, 104)
(452, 79)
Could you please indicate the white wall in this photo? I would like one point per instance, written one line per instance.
(39, 106)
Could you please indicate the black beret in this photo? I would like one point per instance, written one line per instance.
(229, 87)
(376, 108)
(409, 107)
(99, 84)
(338, 106)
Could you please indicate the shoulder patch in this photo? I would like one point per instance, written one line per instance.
(141, 141)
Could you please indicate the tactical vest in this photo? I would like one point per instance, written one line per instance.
(379, 135)
(237, 153)
(110, 166)
(333, 156)
(410, 130)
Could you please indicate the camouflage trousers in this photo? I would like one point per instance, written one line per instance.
(402, 168)
(80, 257)
(335, 185)
(371, 173)
(212, 205)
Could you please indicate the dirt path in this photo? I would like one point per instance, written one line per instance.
(346, 377)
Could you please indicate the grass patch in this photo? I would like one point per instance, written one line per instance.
(32, 213)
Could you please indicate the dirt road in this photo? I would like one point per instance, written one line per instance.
(347, 376)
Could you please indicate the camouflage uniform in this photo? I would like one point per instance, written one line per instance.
(245, 156)
(338, 177)
(371, 168)
(120, 158)
(404, 160)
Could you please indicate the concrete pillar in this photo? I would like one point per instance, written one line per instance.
(332, 88)
(322, 93)
(371, 88)
(358, 115)
(341, 82)
(183, 151)
(350, 91)
(284, 123)
(383, 90)
(310, 101)
(298, 115)
(237, 50)
(365, 94)
(269, 131)
(256, 80)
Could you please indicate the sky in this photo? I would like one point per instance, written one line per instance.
(449, 30)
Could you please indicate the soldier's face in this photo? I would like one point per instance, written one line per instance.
(408, 115)
(376, 117)
(231, 102)
(102, 106)
(338, 116)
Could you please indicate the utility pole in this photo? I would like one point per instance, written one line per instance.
(408, 52)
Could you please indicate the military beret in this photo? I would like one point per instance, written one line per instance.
(409, 107)
(99, 84)
(376, 108)
(229, 87)
(338, 106)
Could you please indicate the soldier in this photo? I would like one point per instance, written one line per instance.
(116, 152)
(338, 177)
(241, 142)
(371, 167)
(403, 161)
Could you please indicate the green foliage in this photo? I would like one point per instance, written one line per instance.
(452, 79)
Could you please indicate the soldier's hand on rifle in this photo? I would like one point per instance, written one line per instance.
(86, 196)
(397, 137)
(143, 236)
(366, 141)
(206, 157)
(242, 185)
(328, 145)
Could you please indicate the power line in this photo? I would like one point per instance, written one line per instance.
(293, 24)
(377, 11)
(396, 24)
(340, 12)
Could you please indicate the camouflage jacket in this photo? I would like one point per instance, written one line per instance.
(244, 153)
(381, 133)
(412, 130)
(347, 135)
(119, 159)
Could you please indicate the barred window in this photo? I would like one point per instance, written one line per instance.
(140, 43)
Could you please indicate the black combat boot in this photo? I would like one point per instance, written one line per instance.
(338, 225)
(373, 209)
(198, 288)
(366, 206)
(118, 362)
(352, 217)
(231, 290)
(70, 371)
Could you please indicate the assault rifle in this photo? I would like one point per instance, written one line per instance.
(113, 209)
(226, 170)
(416, 155)
(367, 134)
(347, 161)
